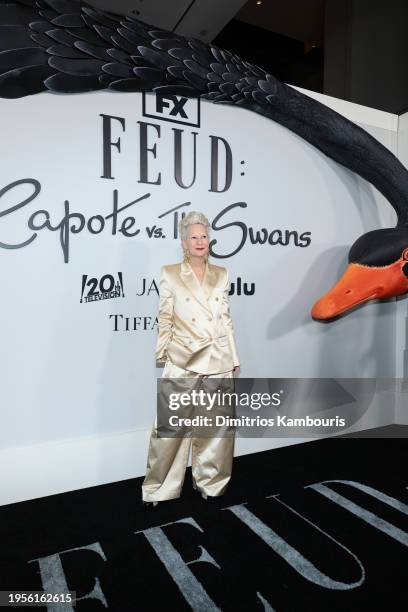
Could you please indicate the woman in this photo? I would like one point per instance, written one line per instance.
(196, 340)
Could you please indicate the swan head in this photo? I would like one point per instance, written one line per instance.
(377, 269)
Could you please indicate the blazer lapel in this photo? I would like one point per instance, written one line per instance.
(210, 280)
(200, 292)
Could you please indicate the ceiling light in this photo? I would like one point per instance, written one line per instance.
(259, 2)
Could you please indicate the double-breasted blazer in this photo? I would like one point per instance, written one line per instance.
(195, 327)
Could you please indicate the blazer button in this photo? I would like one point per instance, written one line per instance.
(216, 299)
(187, 299)
(219, 316)
(193, 319)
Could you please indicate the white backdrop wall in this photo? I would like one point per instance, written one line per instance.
(78, 378)
(401, 415)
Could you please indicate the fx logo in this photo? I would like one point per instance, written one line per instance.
(169, 107)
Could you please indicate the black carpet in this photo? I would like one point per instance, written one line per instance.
(334, 546)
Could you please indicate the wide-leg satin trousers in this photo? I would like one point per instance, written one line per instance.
(168, 457)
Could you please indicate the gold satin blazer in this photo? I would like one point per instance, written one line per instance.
(195, 326)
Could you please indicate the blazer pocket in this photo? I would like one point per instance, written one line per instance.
(223, 340)
(186, 340)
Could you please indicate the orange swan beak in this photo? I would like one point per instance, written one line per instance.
(360, 284)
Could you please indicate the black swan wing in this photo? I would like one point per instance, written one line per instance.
(65, 46)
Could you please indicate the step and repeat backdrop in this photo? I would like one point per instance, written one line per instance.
(92, 187)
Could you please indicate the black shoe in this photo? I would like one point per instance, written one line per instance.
(209, 498)
(150, 504)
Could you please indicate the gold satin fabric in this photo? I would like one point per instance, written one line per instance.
(196, 339)
(195, 327)
(168, 457)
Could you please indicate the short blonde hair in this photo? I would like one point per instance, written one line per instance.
(190, 219)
